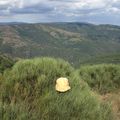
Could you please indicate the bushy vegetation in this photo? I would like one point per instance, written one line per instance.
(5, 62)
(28, 93)
(103, 78)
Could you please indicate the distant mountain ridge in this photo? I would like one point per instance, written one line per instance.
(74, 42)
(12, 23)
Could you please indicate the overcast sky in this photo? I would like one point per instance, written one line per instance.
(93, 11)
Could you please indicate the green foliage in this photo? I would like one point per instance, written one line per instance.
(102, 78)
(5, 62)
(28, 93)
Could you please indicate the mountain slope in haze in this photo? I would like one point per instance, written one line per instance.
(74, 42)
(114, 59)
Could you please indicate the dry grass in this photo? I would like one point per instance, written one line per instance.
(114, 99)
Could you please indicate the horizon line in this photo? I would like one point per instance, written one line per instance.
(17, 22)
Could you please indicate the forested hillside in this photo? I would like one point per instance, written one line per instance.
(114, 58)
(74, 42)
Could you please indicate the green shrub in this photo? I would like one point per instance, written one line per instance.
(102, 78)
(5, 63)
(28, 93)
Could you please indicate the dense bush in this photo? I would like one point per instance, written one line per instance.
(5, 62)
(28, 93)
(102, 78)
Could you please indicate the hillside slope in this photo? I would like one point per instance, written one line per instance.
(114, 59)
(71, 41)
(28, 93)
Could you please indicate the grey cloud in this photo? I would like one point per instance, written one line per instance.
(32, 9)
(60, 10)
(47, 6)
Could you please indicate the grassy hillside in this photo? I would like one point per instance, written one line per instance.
(28, 86)
(103, 78)
(28, 93)
(74, 42)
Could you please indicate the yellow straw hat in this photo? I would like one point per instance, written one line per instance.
(62, 85)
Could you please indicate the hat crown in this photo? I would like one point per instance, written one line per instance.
(62, 84)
